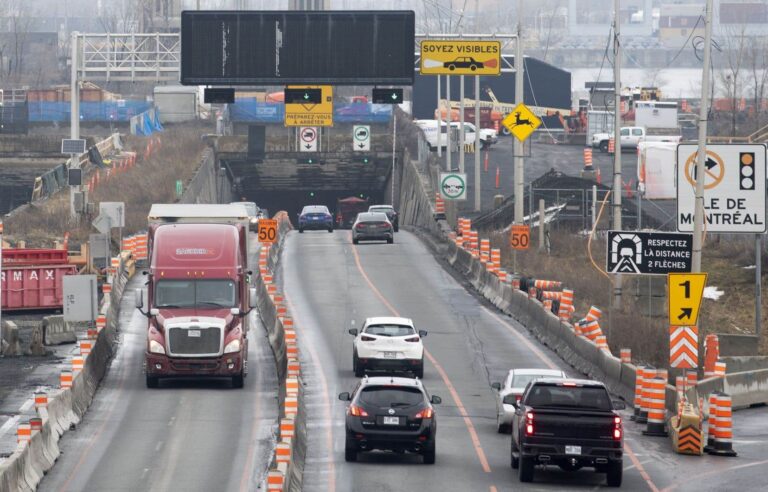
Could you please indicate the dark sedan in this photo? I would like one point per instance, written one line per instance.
(316, 217)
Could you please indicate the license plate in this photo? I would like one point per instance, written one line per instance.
(391, 420)
(573, 450)
(390, 355)
(193, 333)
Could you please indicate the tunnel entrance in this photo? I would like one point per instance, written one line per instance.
(292, 201)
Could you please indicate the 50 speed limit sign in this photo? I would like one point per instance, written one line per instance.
(520, 237)
(267, 230)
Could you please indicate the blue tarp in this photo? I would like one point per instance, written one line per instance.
(43, 111)
(248, 109)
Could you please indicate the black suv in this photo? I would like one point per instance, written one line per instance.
(390, 212)
(570, 423)
(390, 413)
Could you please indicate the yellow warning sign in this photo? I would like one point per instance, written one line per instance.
(685, 291)
(521, 122)
(460, 57)
(311, 114)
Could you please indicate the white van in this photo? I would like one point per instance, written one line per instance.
(429, 127)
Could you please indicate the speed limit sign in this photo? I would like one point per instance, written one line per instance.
(267, 230)
(520, 237)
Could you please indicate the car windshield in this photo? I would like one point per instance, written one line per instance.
(391, 396)
(202, 294)
(382, 209)
(522, 380)
(390, 330)
(546, 395)
(250, 207)
(315, 209)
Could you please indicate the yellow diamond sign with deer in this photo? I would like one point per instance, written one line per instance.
(521, 122)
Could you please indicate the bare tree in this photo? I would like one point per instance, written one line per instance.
(757, 56)
(20, 16)
(734, 44)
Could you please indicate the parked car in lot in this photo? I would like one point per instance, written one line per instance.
(511, 391)
(390, 414)
(570, 423)
(253, 214)
(389, 211)
(388, 344)
(315, 217)
(372, 227)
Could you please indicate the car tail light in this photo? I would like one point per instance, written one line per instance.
(360, 226)
(414, 339)
(529, 424)
(427, 413)
(357, 411)
(367, 339)
(617, 429)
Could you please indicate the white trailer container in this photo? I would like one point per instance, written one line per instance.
(177, 103)
(656, 114)
(656, 170)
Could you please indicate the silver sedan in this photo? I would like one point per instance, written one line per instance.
(512, 390)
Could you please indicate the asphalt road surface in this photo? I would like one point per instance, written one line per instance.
(183, 436)
(332, 285)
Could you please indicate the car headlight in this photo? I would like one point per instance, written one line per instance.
(233, 346)
(254, 220)
(156, 348)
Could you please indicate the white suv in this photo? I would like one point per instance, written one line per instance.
(388, 344)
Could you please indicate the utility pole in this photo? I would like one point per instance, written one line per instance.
(448, 123)
(617, 139)
(74, 119)
(478, 176)
(439, 121)
(519, 88)
(461, 123)
(698, 214)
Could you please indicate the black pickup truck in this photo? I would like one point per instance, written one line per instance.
(570, 423)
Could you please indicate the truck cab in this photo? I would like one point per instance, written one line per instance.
(198, 294)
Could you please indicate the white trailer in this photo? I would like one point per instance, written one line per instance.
(656, 170)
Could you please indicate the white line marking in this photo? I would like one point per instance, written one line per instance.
(144, 473)
(159, 445)
(26, 406)
(9, 424)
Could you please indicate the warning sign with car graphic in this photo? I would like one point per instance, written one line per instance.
(650, 253)
(460, 57)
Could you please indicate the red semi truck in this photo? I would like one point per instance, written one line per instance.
(198, 293)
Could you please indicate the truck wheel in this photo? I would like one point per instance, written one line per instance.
(429, 454)
(615, 471)
(330, 229)
(397, 228)
(301, 231)
(355, 241)
(152, 381)
(357, 367)
(502, 428)
(603, 147)
(238, 381)
(390, 240)
(350, 451)
(525, 471)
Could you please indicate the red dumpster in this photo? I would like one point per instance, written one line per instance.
(33, 279)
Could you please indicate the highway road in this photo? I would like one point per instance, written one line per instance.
(332, 286)
(185, 435)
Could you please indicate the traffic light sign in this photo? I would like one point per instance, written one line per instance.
(309, 160)
(387, 96)
(746, 170)
(364, 159)
(303, 96)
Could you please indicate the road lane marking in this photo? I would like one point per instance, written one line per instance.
(144, 473)
(545, 358)
(9, 424)
(27, 405)
(443, 375)
(159, 445)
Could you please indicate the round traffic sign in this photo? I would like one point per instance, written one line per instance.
(453, 186)
(308, 134)
(714, 170)
(361, 133)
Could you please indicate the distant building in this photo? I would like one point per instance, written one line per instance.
(309, 4)
(636, 18)
(677, 21)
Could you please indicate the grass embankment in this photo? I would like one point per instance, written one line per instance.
(628, 327)
(150, 181)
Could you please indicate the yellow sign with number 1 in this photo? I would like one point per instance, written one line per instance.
(685, 291)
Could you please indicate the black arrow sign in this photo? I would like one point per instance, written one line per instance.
(309, 146)
(361, 145)
(709, 164)
(685, 313)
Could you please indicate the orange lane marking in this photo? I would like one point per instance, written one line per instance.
(454, 394)
(544, 358)
(309, 348)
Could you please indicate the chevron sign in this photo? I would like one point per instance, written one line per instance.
(684, 347)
